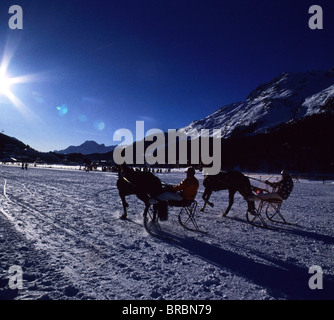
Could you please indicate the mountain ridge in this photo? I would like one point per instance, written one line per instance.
(288, 97)
(88, 147)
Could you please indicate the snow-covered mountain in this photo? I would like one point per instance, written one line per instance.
(291, 96)
(88, 147)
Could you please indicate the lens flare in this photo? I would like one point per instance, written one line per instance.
(82, 118)
(62, 110)
(99, 125)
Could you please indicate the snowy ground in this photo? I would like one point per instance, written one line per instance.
(62, 228)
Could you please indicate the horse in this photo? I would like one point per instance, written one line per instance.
(232, 181)
(144, 185)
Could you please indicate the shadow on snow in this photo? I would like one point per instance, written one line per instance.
(282, 279)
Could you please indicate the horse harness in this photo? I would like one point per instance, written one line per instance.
(122, 176)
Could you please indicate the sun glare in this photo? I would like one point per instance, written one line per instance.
(4, 84)
(7, 83)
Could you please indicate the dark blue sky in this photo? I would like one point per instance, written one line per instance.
(99, 66)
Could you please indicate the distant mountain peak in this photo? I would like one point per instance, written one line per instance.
(88, 147)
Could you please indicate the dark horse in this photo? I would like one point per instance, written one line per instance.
(143, 184)
(232, 181)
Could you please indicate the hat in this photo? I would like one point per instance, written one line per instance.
(284, 173)
(190, 171)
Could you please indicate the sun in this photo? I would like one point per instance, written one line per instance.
(7, 82)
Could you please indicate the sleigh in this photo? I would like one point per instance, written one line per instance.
(155, 215)
(266, 209)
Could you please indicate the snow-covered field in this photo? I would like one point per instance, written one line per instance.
(62, 228)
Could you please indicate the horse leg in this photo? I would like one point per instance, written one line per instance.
(251, 207)
(231, 193)
(147, 205)
(206, 196)
(248, 196)
(203, 208)
(125, 205)
(145, 198)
